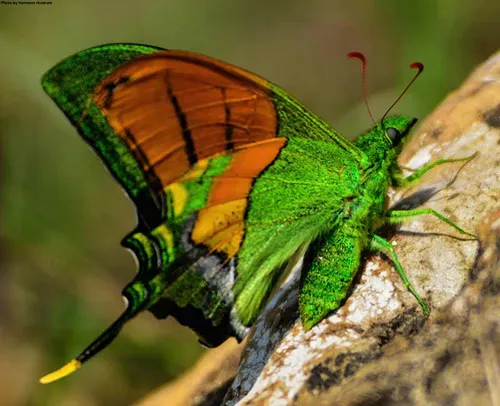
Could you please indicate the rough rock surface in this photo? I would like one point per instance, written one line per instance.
(379, 349)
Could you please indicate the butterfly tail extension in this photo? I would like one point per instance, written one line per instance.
(136, 298)
(138, 295)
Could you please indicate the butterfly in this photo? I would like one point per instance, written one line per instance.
(231, 178)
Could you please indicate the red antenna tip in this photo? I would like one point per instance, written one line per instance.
(417, 65)
(414, 65)
(362, 58)
(358, 55)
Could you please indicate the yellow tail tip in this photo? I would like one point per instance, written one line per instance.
(67, 369)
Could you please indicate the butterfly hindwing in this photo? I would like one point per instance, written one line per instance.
(232, 250)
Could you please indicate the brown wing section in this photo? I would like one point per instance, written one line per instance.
(174, 108)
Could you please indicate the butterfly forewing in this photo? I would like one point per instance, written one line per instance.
(173, 110)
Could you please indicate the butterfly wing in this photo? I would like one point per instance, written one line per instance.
(230, 175)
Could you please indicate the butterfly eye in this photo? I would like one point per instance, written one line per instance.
(394, 135)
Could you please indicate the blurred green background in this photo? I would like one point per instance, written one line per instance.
(62, 216)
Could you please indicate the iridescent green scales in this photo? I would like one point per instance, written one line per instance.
(232, 178)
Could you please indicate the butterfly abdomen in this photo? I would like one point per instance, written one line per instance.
(329, 269)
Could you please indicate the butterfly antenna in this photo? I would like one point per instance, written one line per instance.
(414, 65)
(362, 58)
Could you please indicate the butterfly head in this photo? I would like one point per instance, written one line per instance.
(396, 129)
(385, 140)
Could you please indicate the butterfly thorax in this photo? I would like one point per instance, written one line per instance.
(381, 151)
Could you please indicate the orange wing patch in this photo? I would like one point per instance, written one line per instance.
(175, 108)
(246, 164)
(220, 226)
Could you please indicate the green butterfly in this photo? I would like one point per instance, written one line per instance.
(232, 177)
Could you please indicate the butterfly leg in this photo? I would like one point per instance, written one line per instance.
(330, 266)
(406, 181)
(379, 244)
(398, 216)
